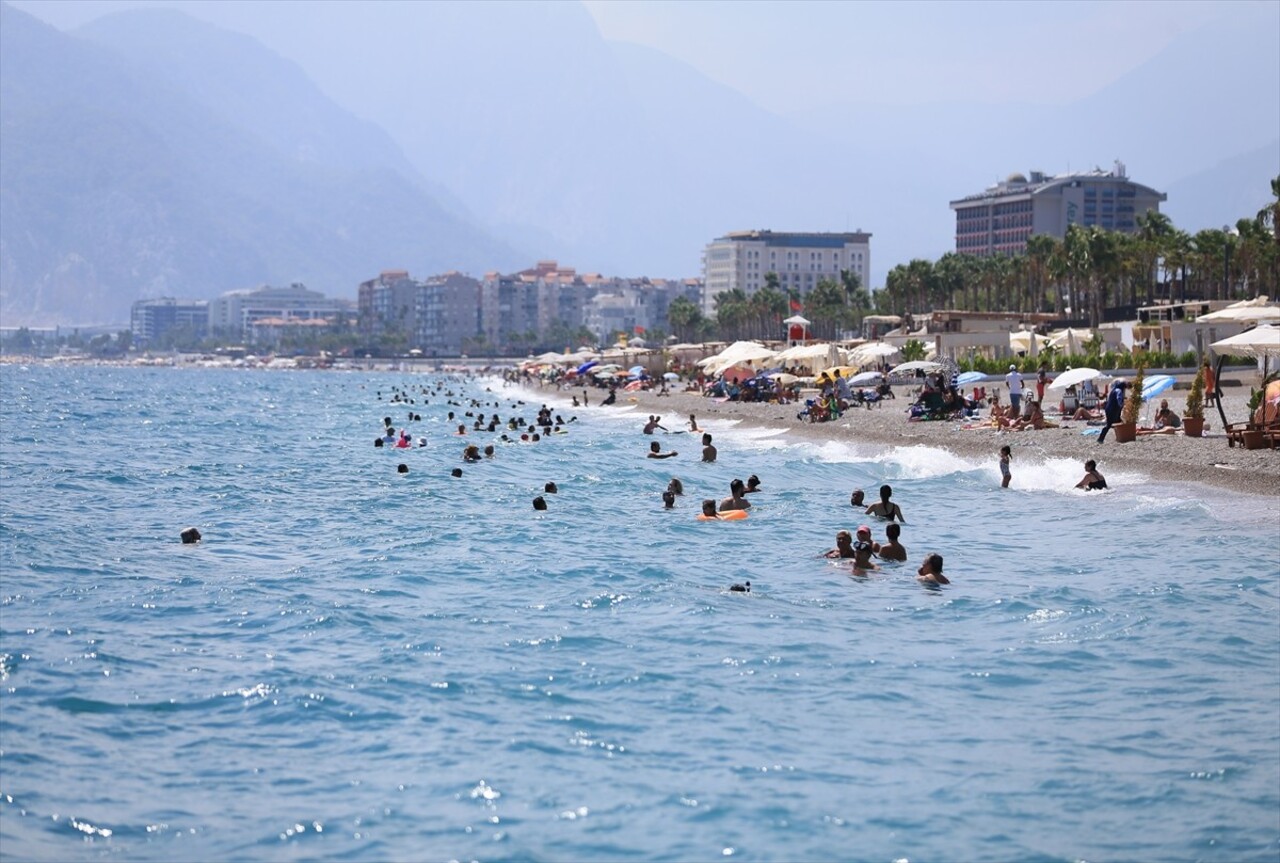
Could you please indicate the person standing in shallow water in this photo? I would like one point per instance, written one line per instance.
(1006, 454)
(886, 508)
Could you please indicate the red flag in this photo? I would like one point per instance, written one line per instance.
(639, 330)
(796, 307)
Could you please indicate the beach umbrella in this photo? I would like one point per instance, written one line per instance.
(738, 374)
(1257, 342)
(797, 320)
(1243, 313)
(864, 378)
(1072, 377)
(845, 371)
(785, 379)
(671, 376)
(586, 367)
(916, 365)
(636, 370)
(1155, 385)
(967, 378)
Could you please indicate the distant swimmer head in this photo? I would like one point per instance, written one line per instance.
(550, 488)
(539, 503)
(457, 471)
(753, 482)
(745, 587)
(886, 492)
(857, 498)
(190, 536)
(402, 468)
(893, 531)
(675, 486)
(378, 442)
(669, 499)
(709, 507)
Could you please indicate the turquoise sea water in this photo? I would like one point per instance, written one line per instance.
(362, 665)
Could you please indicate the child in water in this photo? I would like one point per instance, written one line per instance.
(1006, 455)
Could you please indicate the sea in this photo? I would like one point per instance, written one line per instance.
(358, 663)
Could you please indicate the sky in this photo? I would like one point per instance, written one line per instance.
(824, 53)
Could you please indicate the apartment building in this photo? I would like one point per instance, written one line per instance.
(150, 320)
(742, 259)
(236, 312)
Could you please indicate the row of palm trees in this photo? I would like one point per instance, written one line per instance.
(831, 307)
(1092, 268)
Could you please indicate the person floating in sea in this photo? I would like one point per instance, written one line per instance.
(892, 550)
(676, 487)
(1092, 479)
(886, 508)
(735, 500)
(863, 550)
(709, 510)
(655, 451)
(708, 450)
(930, 571)
(753, 484)
(858, 500)
(668, 499)
(1006, 455)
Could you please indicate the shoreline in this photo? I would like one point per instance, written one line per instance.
(1174, 458)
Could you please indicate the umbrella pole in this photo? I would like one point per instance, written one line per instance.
(1217, 378)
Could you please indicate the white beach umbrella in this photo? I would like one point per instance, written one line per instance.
(797, 320)
(865, 378)
(869, 353)
(1242, 314)
(916, 365)
(1257, 342)
(1072, 377)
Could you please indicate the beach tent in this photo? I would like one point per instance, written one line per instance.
(1262, 342)
(1027, 342)
(811, 357)
(872, 352)
(736, 353)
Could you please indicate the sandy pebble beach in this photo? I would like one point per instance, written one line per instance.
(1164, 457)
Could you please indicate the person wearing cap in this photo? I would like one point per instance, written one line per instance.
(1014, 381)
(863, 550)
(1113, 408)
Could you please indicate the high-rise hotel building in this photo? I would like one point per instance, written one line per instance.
(999, 220)
(741, 259)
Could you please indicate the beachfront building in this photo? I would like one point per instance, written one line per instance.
(446, 311)
(1000, 219)
(636, 306)
(151, 320)
(236, 312)
(742, 260)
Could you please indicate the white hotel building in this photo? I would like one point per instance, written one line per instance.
(741, 259)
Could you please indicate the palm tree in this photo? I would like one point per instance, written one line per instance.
(1154, 228)
(731, 312)
(684, 316)
(1040, 248)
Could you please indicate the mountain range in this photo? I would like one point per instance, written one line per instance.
(150, 152)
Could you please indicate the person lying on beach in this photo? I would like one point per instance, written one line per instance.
(735, 500)
(1092, 480)
(886, 508)
(892, 549)
(930, 571)
(1083, 413)
(655, 451)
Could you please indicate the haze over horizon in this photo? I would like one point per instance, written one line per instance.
(622, 137)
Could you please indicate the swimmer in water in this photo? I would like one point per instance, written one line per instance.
(653, 423)
(709, 509)
(1006, 455)
(471, 453)
(668, 499)
(655, 451)
(693, 423)
(930, 571)
(886, 508)
(735, 500)
(753, 484)
(676, 487)
(1092, 480)
(708, 450)
(844, 545)
(858, 499)
(892, 550)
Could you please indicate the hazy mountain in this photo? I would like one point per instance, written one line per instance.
(193, 162)
(1226, 192)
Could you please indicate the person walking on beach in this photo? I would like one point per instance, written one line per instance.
(886, 508)
(1006, 455)
(1113, 408)
(1014, 381)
